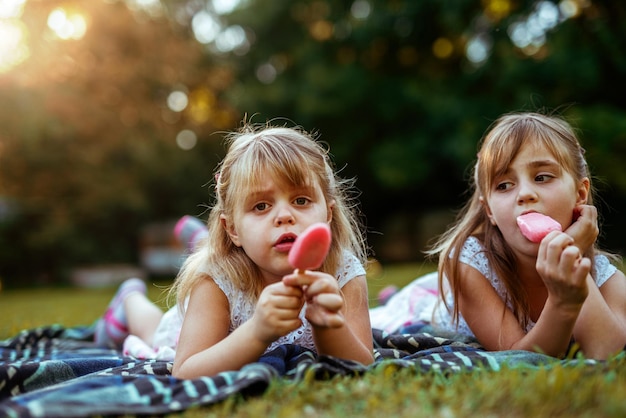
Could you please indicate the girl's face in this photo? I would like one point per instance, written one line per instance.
(270, 218)
(533, 182)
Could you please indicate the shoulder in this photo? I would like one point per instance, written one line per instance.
(473, 254)
(207, 287)
(206, 298)
(603, 270)
(349, 268)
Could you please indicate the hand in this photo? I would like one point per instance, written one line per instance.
(277, 312)
(563, 270)
(322, 295)
(584, 230)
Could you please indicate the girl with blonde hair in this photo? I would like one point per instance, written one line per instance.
(237, 296)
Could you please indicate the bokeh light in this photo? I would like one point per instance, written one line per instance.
(13, 46)
(478, 49)
(361, 9)
(231, 38)
(223, 7)
(266, 73)
(11, 8)
(443, 48)
(205, 27)
(177, 101)
(186, 139)
(530, 34)
(67, 24)
(13, 33)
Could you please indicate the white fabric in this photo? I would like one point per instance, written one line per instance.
(418, 302)
(242, 308)
(473, 255)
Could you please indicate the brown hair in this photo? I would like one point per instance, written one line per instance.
(498, 149)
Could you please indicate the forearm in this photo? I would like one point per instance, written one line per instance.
(343, 343)
(552, 332)
(599, 331)
(232, 353)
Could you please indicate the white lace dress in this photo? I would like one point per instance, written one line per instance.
(473, 255)
(419, 302)
(242, 308)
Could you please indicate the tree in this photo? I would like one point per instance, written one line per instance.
(403, 90)
(89, 151)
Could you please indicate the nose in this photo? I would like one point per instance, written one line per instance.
(284, 215)
(526, 193)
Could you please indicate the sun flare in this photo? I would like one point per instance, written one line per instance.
(13, 46)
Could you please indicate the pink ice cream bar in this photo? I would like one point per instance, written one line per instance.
(311, 247)
(536, 226)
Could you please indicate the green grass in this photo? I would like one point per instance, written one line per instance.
(557, 391)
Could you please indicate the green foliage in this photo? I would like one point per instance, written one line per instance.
(405, 119)
(87, 143)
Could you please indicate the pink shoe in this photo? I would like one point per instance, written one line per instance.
(190, 231)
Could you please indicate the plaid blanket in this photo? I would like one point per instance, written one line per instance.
(56, 371)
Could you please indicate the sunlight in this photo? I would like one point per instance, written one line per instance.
(11, 8)
(13, 47)
(67, 25)
(223, 7)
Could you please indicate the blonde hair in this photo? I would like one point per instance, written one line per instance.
(290, 156)
(499, 147)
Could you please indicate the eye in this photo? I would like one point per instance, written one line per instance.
(505, 185)
(300, 201)
(260, 206)
(543, 177)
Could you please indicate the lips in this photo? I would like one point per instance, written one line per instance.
(285, 242)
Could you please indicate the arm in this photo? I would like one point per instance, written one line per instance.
(563, 272)
(205, 347)
(497, 328)
(339, 318)
(601, 327)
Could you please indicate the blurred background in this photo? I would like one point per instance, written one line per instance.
(112, 112)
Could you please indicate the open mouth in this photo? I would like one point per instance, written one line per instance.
(285, 242)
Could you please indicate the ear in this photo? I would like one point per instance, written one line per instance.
(582, 193)
(329, 211)
(230, 230)
(487, 210)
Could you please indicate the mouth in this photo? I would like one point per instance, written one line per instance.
(527, 212)
(285, 242)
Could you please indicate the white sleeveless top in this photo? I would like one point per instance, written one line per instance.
(242, 307)
(473, 254)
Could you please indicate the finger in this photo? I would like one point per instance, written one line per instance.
(281, 288)
(302, 279)
(287, 302)
(322, 286)
(334, 321)
(549, 249)
(329, 301)
(570, 257)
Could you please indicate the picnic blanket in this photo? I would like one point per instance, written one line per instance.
(56, 371)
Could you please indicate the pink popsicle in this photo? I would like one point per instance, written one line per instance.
(535, 226)
(311, 247)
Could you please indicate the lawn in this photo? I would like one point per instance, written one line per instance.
(522, 392)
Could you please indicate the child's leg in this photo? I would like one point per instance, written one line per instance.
(112, 328)
(143, 316)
